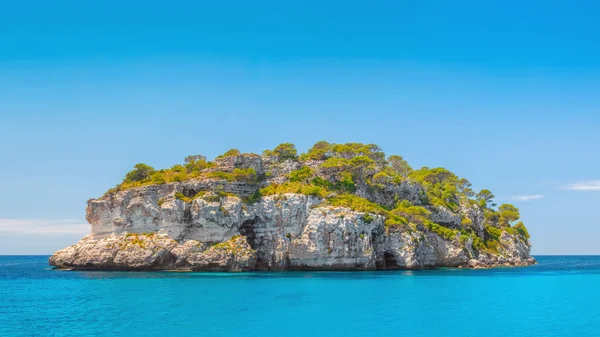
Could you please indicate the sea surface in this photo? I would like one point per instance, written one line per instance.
(558, 297)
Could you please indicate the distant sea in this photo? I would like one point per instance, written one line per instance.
(558, 297)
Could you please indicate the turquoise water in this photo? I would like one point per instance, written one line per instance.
(558, 297)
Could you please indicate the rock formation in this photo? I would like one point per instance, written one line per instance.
(323, 211)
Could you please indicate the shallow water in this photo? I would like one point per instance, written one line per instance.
(558, 297)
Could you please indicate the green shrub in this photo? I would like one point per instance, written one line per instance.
(399, 166)
(178, 169)
(158, 178)
(508, 214)
(276, 189)
(345, 184)
(221, 175)
(440, 185)
(356, 203)
(490, 217)
(510, 230)
(335, 164)
(355, 165)
(415, 214)
(230, 153)
(182, 197)
(301, 175)
(195, 163)
(485, 198)
(314, 191)
(294, 187)
(139, 173)
(320, 151)
(318, 181)
(493, 246)
(246, 175)
(193, 158)
(520, 227)
(395, 221)
(478, 244)
(286, 151)
(283, 151)
(492, 239)
(180, 177)
(493, 232)
(368, 218)
(381, 178)
(440, 230)
(361, 162)
(352, 150)
(175, 174)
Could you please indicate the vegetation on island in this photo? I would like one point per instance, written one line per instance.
(335, 172)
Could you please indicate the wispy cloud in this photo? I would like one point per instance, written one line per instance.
(592, 185)
(527, 197)
(43, 226)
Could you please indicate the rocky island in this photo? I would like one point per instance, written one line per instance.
(335, 207)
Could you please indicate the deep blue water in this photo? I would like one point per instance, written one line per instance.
(558, 297)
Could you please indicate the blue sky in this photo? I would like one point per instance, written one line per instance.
(504, 93)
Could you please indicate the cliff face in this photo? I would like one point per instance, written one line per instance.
(209, 223)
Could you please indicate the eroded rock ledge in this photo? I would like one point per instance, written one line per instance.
(288, 232)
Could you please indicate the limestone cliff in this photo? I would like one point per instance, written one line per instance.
(245, 212)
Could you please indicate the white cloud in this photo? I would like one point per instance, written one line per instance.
(527, 197)
(592, 185)
(43, 227)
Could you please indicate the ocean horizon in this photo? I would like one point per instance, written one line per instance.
(556, 297)
(217, 149)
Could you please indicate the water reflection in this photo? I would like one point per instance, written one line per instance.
(16, 267)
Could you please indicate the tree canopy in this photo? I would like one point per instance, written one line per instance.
(343, 169)
(140, 172)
